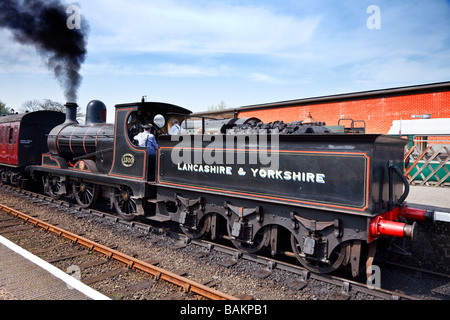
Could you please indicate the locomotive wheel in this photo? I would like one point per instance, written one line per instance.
(260, 241)
(125, 206)
(54, 186)
(86, 194)
(19, 182)
(4, 177)
(336, 259)
(205, 227)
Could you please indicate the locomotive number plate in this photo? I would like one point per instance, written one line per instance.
(127, 160)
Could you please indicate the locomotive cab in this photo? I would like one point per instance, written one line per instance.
(129, 160)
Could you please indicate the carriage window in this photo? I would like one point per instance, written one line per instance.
(9, 132)
(16, 131)
(2, 132)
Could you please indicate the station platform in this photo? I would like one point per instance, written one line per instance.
(24, 276)
(429, 197)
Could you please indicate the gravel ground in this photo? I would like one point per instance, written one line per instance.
(4, 295)
(236, 280)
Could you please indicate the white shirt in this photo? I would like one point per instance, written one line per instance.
(176, 129)
(146, 139)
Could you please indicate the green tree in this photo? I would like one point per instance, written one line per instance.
(3, 108)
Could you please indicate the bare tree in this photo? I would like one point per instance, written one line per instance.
(220, 106)
(47, 104)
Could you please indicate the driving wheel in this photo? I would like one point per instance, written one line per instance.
(85, 193)
(336, 258)
(53, 184)
(125, 206)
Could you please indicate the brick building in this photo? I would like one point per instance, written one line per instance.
(377, 108)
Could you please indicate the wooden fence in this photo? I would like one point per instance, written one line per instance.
(428, 163)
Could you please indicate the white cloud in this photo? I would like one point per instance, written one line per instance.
(18, 58)
(255, 51)
(161, 69)
(188, 28)
(400, 70)
(265, 78)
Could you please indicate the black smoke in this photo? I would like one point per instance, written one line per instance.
(43, 24)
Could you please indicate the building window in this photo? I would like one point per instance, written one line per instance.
(421, 143)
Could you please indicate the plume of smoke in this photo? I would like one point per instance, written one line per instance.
(43, 24)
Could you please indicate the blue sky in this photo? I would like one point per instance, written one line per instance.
(197, 53)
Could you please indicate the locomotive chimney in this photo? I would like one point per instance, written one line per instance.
(71, 112)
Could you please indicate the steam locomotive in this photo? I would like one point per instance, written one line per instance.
(295, 188)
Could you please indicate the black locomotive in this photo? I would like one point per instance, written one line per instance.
(294, 188)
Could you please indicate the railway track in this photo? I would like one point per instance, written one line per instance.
(343, 288)
(16, 223)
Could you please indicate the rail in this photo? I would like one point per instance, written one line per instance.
(132, 263)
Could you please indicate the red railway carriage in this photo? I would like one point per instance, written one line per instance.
(23, 139)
